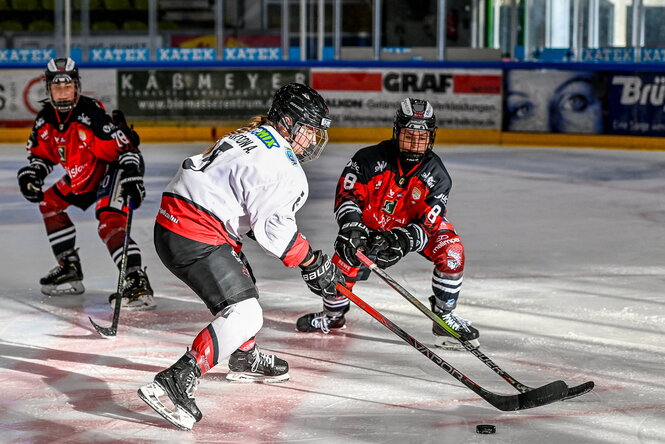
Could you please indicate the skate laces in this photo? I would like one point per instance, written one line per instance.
(192, 383)
(456, 322)
(56, 270)
(322, 320)
(261, 359)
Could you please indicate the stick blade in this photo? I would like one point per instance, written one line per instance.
(104, 332)
(579, 390)
(546, 394)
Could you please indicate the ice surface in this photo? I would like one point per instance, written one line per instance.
(564, 278)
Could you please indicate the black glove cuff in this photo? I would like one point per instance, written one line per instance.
(417, 237)
(310, 254)
(316, 263)
(355, 225)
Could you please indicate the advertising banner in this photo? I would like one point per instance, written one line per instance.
(637, 104)
(233, 94)
(22, 90)
(462, 98)
(555, 101)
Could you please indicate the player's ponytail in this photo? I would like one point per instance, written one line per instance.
(254, 122)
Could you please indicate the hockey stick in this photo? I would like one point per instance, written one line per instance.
(552, 392)
(572, 391)
(110, 332)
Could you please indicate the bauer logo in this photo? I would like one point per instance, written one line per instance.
(265, 137)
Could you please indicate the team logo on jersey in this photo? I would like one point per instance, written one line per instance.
(82, 135)
(428, 179)
(84, 119)
(416, 193)
(291, 156)
(61, 152)
(265, 137)
(454, 260)
(442, 197)
(389, 206)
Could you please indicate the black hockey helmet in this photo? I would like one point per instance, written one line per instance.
(304, 114)
(62, 70)
(417, 115)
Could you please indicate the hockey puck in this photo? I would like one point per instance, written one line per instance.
(485, 429)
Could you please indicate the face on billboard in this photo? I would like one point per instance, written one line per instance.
(553, 101)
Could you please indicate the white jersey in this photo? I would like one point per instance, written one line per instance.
(248, 181)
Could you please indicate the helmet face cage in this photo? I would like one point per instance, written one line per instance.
(416, 116)
(62, 70)
(304, 114)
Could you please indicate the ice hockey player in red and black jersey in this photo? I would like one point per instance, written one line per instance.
(103, 166)
(391, 200)
(250, 181)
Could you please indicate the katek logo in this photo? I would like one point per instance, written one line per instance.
(417, 82)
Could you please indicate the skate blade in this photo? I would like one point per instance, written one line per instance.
(140, 304)
(66, 289)
(179, 417)
(248, 377)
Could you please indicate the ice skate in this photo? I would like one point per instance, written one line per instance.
(178, 382)
(137, 294)
(457, 323)
(322, 321)
(66, 278)
(256, 366)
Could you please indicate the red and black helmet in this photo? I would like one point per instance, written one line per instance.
(62, 70)
(415, 114)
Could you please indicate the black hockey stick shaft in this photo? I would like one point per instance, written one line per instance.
(552, 392)
(113, 329)
(572, 391)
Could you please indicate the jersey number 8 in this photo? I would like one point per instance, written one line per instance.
(349, 181)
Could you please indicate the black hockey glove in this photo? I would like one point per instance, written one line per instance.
(321, 276)
(131, 178)
(31, 180)
(393, 245)
(120, 121)
(351, 237)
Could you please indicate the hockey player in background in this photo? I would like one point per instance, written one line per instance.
(391, 200)
(102, 166)
(249, 183)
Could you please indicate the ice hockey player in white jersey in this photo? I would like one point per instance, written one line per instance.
(249, 183)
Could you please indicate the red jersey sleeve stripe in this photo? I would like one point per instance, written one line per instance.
(184, 217)
(296, 251)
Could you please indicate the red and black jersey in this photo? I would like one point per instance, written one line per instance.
(82, 140)
(375, 190)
